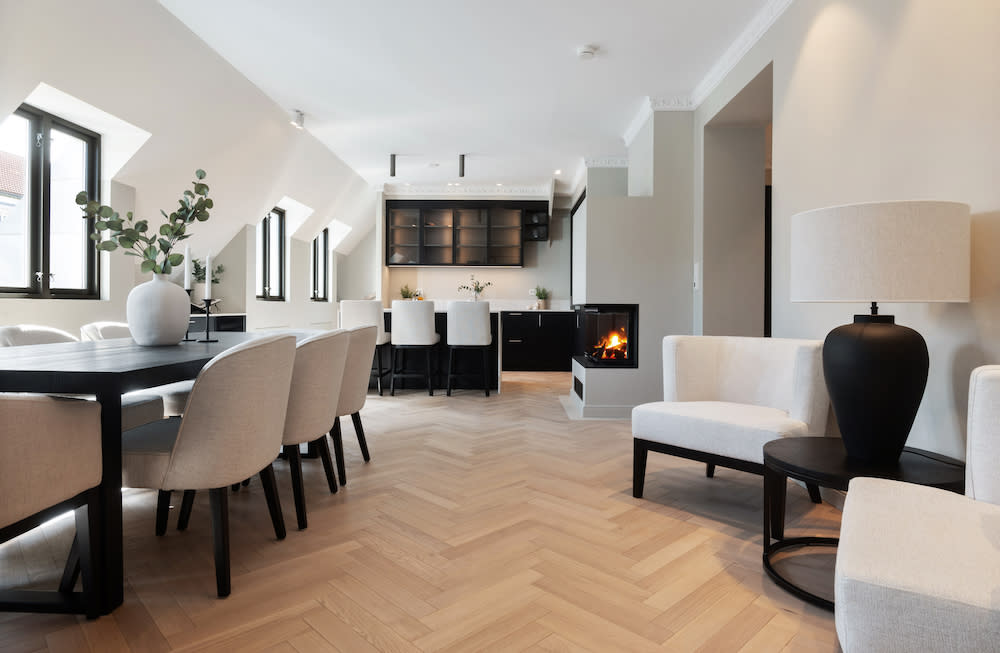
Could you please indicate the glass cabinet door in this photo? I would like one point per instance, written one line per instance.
(504, 237)
(403, 237)
(471, 227)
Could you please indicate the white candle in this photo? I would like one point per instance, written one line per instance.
(187, 267)
(208, 276)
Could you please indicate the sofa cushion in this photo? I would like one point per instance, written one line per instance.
(918, 569)
(723, 428)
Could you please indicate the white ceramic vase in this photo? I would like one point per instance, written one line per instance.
(158, 312)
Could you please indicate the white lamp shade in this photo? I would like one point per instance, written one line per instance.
(913, 251)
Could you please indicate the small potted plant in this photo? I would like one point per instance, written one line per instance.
(542, 295)
(475, 287)
(405, 292)
(199, 273)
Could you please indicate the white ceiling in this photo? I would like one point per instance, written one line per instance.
(500, 82)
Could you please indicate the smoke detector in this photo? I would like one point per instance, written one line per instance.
(586, 52)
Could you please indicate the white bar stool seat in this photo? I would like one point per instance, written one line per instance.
(469, 328)
(412, 328)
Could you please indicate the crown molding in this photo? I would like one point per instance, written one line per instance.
(607, 162)
(752, 33)
(539, 191)
(648, 107)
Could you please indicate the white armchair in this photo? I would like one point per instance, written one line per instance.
(725, 397)
(918, 568)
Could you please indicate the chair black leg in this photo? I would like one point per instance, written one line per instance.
(246, 482)
(430, 382)
(219, 499)
(378, 365)
(235, 487)
(71, 572)
(298, 492)
(709, 470)
(162, 510)
(360, 431)
(451, 367)
(392, 371)
(814, 493)
(639, 453)
(338, 451)
(273, 504)
(486, 371)
(87, 528)
(185, 515)
(324, 455)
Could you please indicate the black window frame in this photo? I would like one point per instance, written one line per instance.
(321, 267)
(264, 292)
(41, 124)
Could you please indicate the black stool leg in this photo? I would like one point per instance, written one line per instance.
(219, 499)
(378, 365)
(814, 493)
(486, 371)
(430, 383)
(298, 491)
(162, 508)
(709, 470)
(338, 451)
(356, 418)
(451, 366)
(324, 455)
(392, 371)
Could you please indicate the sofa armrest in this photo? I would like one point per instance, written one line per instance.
(982, 455)
(810, 400)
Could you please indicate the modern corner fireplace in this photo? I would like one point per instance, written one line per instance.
(607, 335)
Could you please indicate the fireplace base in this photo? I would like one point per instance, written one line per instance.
(599, 391)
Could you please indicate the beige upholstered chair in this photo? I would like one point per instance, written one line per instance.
(918, 568)
(353, 393)
(50, 462)
(412, 328)
(137, 408)
(104, 331)
(725, 397)
(232, 427)
(366, 312)
(174, 395)
(469, 328)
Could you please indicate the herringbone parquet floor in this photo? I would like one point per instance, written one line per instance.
(480, 524)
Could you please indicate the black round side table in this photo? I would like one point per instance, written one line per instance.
(824, 462)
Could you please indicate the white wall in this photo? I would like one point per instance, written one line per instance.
(358, 272)
(579, 246)
(546, 264)
(895, 99)
(733, 267)
(148, 69)
(641, 162)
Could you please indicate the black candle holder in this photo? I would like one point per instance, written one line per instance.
(208, 318)
(187, 332)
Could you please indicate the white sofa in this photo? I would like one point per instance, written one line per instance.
(918, 569)
(725, 397)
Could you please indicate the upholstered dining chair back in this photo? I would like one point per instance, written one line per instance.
(778, 373)
(357, 371)
(469, 324)
(50, 451)
(364, 312)
(316, 381)
(104, 331)
(982, 459)
(32, 334)
(235, 417)
(413, 323)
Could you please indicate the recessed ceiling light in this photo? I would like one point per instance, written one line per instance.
(558, 172)
(588, 51)
(298, 119)
(406, 183)
(499, 184)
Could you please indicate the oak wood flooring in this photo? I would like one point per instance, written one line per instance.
(481, 524)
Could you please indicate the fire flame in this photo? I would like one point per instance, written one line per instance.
(612, 346)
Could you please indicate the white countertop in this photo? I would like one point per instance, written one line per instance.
(497, 305)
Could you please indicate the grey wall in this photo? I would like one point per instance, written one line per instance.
(358, 272)
(865, 110)
(641, 160)
(733, 265)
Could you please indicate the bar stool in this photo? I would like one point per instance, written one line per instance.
(366, 312)
(412, 328)
(469, 328)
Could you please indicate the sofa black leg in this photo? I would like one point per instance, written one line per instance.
(709, 470)
(639, 452)
(219, 499)
(814, 493)
(185, 514)
(162, 510)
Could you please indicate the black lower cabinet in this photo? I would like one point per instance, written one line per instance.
(232, 322)
(538, 341)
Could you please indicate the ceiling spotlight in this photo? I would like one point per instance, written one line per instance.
(586, 52)
(298, 120)
(558, 172)
(392, 165)
(461, 165)
(499, 184)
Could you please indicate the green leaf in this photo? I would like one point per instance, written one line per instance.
(203, 216)
(166, 268)
(95, 236)
(141, 226)
(165, 245)
(93, 207)
(131, 233)
(107, 246)
(106, 212)
(81, 198)
(166, 230)
(188, 193)
(201, 189)
(175, 259)
(150, 253)
(100, 225)
(199, 173)
(209, 203)
(130, 253)
(164, 213)
(126, 242)
(116, 225)
(147, 265)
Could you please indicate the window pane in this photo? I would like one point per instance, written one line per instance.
(274, 264)
(68, 241)
(313, 288)
(260, 258)
(15, 181)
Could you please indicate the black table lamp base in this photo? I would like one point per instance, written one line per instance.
(876, 372)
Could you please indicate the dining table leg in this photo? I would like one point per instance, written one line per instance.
(110, 559)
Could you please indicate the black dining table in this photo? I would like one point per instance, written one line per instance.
(107, 369)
